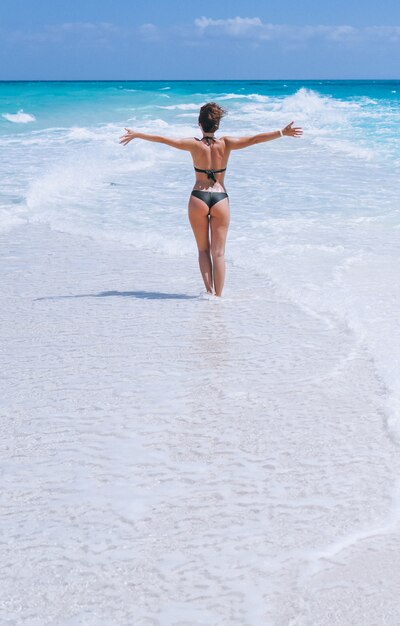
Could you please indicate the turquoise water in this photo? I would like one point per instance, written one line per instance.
(59, 103)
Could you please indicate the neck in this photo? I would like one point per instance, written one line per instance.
(209, 135)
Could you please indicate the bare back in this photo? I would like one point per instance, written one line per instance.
(209, 155)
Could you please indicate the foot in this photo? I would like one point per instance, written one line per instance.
(208, 295)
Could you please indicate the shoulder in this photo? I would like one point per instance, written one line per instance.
(228, 140)
(187, 143)
(235, 143)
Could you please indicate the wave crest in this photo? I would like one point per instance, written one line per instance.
(20, 117)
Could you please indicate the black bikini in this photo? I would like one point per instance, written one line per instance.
(209, 197)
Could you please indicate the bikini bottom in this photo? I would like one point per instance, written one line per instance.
(209, 197)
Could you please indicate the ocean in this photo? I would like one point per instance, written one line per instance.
(282, 398)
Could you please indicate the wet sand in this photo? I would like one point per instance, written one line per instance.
(174, 460)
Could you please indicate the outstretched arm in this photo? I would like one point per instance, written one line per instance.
(181, 144)
(236, 143)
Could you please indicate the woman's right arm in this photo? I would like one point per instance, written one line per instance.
(180, 144)
(236, 143)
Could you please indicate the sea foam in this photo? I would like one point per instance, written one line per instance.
(20, 117)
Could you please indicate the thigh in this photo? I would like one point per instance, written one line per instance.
(219, 224)
(198, 218)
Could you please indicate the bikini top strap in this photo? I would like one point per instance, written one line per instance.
(210, 173)
(206, 138)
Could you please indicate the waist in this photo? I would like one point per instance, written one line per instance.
(201, 193)
(216, 188)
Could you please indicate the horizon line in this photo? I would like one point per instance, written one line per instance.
(183, 80)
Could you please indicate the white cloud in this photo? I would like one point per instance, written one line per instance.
(149, 32)
(87, 32)
(255, 28)
(251, 30)
(236, 26)
(383, 32)
(91, 27)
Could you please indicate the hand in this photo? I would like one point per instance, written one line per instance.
(129, 135)
(292, 132)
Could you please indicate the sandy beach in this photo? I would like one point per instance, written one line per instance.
(166, 462)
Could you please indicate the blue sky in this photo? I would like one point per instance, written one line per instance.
(255, 39)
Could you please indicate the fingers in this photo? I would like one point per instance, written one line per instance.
(293, 132)
(127, 137)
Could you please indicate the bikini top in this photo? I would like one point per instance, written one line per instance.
(210, 173)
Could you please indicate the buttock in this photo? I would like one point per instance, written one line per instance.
(210, 197)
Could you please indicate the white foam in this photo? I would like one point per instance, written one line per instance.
(234, 96)
(346, 147)
(20, 117)
(77, 133)
(183, 107)
(310, 106)
(9, 218)
(317, 558)
(252, 96)
(159, 123)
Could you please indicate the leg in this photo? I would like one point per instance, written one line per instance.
(219, 224)
(198, 217)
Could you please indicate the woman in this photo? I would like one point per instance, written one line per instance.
(209, 202)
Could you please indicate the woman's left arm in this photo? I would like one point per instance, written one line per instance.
(180, 144)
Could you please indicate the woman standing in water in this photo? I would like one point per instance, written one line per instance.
(208, 208)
